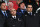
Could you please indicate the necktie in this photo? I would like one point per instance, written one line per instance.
(5, 14)
(14, 17)
(23, 11)
(29, 13)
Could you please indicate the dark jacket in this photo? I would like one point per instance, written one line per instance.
(3, 18)
(18, 22)
(31, 21)
(19, 12)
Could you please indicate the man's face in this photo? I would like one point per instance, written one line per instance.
(29, 8)
(10, 6)
(13, 12)
(22, 6)
(3, 6)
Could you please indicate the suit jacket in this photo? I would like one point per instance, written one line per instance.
(2, 21)
(26, 13)
(7, 11)
(19, 12)
(11, 22)
(3, 18)
(31, 21)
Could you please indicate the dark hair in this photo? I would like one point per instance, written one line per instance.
(29, 4)
(20, 3)
(2, 2)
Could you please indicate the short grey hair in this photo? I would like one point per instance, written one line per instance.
(10, 3)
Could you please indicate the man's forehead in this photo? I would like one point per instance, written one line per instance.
(3, 3)
(29, 5)
(12, 9)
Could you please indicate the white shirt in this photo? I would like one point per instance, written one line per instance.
(30, 12)
(14, 16)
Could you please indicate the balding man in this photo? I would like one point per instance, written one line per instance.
(10, 5)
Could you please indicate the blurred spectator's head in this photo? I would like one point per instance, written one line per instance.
(37, 0)
(13, 12)
(29, 8)
(3, 5)
(18, 2)
(10, 5)
(22, 5)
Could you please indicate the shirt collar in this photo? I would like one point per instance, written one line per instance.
(21, 10)
(14, 16)
(3, 11)
(29, 12)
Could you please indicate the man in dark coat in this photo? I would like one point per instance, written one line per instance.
(14, 20)
(21, 10)
(30, 19)
(3, 14)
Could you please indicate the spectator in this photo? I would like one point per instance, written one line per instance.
(21, 8)
(18, 2)
(14, 21)
(13, 5)
(29, 9)
(30, 19)
(10, 5)
(4, 14)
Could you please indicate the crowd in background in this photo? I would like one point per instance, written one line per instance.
(27, 14)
